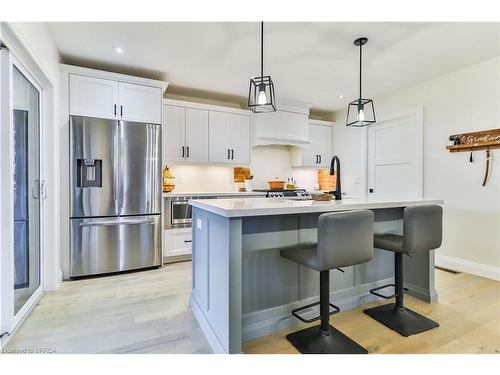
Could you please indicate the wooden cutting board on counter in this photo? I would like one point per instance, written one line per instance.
(241, 174)
(325, 181)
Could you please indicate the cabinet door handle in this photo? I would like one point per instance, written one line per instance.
(121, 110)
(319, 159)
(228, 154)
(187, 154)
(188, 241)
(232, 154)
(182, 151)
(316, 159)
(115, 109)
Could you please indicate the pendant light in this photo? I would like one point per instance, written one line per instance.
(360, 112)
(261, 91)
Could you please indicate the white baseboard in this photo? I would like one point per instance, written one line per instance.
(461, 265)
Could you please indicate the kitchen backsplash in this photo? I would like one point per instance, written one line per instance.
(267, 163)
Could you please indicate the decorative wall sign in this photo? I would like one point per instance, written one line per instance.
(475, 141)
(483, 140)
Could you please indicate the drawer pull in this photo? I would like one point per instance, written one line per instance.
(188, 240)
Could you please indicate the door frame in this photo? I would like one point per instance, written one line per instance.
(9, 320)
(418, 112)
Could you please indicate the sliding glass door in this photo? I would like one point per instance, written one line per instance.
(21, 206)
(26, 137)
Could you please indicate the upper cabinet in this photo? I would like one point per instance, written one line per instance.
(185, 134)
(93, 97)
(201, 133)
(140, 103)
(320, 151)
(114, 99)
(229, 136)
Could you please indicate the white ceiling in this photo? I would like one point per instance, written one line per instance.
(310, 62)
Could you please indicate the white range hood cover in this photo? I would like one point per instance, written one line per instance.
(289, 125)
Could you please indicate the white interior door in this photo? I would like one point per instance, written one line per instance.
(395, 145)
(21, 205)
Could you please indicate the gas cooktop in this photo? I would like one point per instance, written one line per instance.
(291, 194)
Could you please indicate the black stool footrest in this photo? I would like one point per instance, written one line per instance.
(374, 291)
(295, 311)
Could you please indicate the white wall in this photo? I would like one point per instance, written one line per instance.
(267, 163)
(462, 101)
(38, 43)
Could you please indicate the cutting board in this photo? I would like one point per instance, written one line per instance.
(241, 174)
(325, 181)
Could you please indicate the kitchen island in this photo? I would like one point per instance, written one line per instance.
(243, 289)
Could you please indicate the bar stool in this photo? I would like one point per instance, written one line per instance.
(422, 231)
(344, 239)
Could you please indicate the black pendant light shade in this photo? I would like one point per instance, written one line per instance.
(360, 112)
(261, 91)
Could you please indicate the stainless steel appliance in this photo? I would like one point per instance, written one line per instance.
(115, 196)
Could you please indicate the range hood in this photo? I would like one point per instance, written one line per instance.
(287, 126)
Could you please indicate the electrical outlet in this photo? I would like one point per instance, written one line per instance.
(198, 224)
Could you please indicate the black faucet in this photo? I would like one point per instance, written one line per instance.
(338, 190)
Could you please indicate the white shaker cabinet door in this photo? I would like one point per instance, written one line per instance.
(177, 242)
(218, 148)
(93, 97)
(174, 133)
(140, 103)
(196, 135)
(323, 140)
(239, 138)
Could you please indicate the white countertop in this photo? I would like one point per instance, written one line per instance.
(241, 207)
(213, 194)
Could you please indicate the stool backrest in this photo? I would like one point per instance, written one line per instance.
(344, 238)
(422, 228)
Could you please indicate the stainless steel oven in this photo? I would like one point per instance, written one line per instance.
(179, 213)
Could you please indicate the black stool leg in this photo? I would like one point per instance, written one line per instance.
(394, 315)
(324, 339)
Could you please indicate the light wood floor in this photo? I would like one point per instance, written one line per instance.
(468, 312)
(141, 312)
(148, 312)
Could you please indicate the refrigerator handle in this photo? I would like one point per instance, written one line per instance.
(116, 172)
(117, 222)
(122, 166)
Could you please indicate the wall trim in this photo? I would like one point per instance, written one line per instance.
(462, 265)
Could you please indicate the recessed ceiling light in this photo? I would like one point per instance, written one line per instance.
(118, 50)
(341, 96)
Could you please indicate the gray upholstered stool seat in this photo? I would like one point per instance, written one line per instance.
(388, 241)
(422, 231)
(344, 239)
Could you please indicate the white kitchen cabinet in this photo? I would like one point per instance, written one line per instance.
(320, 151)
(177, 242)
(185, 134)
(139, 103)
(93, 97)
(229, 138)
(174, 133)
(106, 98)
(196, 135)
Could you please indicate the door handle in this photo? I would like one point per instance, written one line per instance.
(182, 151)
(43, 189)
(35, 188)
(228, 154)
(187, 155)
(116, 222)
(232, 154)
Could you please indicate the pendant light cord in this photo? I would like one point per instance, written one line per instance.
(360, 64)
(261, 50)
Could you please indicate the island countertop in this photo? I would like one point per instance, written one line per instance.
(243, 207)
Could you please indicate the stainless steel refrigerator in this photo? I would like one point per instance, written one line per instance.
(115, 196)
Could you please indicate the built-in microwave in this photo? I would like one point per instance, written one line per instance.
(179, 213)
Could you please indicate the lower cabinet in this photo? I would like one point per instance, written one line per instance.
(176, 244)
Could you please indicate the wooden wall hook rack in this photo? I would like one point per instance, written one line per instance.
(475, 141)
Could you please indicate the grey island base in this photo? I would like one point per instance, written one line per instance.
(243, 289)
